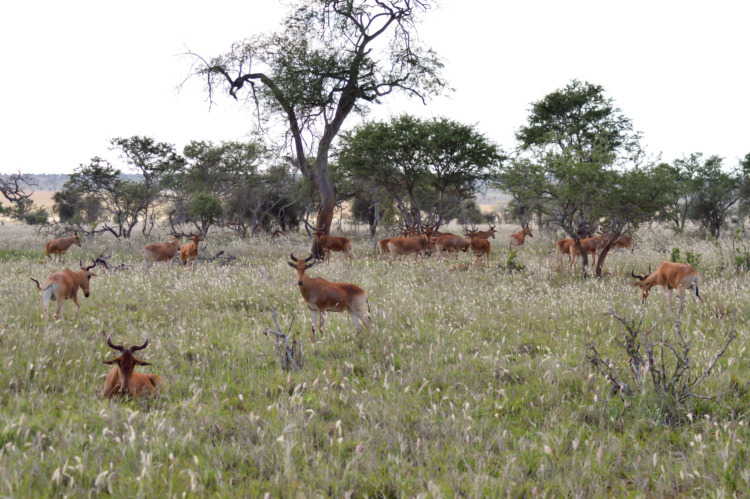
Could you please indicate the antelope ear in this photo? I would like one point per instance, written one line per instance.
(139, 362)
(112, 361)
(92, 274)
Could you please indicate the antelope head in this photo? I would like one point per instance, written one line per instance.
(300, 265)
(126, 362)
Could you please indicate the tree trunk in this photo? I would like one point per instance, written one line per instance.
(605, 249)
(584, 257)
(326, 209)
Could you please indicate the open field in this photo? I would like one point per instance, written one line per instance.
(471, 383)
(40, 198)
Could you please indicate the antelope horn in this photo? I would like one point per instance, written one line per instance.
(308, 258)
(135, 347)
(116, 347)
(294, 258)
(90, 266)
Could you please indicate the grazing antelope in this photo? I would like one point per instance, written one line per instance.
(669, 276)
(60, 246)
(517, 239)
(563, 248)
(624, 241)
(590, 246)
(398, 246)
(121, 379)
(433, 232)
(322, 296)
(62, 285)
(189, 252)
(451, 244)
(161, 252)
(332, 243)
(480, 246)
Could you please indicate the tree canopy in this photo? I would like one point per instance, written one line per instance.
(428, 166)
(329, 59)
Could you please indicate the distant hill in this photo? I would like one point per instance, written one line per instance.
(55, 181)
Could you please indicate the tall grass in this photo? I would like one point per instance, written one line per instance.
(470, 383)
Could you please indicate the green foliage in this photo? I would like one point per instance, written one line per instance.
(582, 165)
(423, 165)
(23, 210)
(715, 192)
(675, 256)
(742, 261)
(691, 258)
(205, 207)
(511, 263)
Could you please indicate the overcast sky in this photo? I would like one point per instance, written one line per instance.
(76, 74)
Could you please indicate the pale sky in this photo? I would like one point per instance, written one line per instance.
(76, 74)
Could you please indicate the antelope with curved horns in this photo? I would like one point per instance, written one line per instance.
(121, 379)
(322, 296)
(486, 234)
(59, 286)
(161, 252)
(669, 276)
(517, 239)
(480, 246)
(332, 243)
(189, 252)
(60, 246)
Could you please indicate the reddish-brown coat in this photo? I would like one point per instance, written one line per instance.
(60, 246)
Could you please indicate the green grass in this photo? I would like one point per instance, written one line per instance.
(470, 383)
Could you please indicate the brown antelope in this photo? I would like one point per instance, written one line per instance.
(60, 246)
(451, 244)
(517, 239)
(382, 246)
(563, 248)
(322, 296)
(433, 232)
(624, 241)
(62, 285)
(406, 245)
(486, 234)
(590, 246)
(189, 252)
(161, 252)
(332, 243)
(480, 246)
(121, 379)
(669, 276)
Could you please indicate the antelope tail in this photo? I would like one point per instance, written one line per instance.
(38, 286)
(696, 292)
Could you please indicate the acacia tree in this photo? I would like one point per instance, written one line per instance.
(716, 192)
(331, 58)
(14, 187)
(126, 202)
(434, 164)
(584, 165)
(199, 192)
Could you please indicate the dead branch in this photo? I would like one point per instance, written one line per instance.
(289, 355)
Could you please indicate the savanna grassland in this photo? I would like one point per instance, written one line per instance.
(471, 383)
